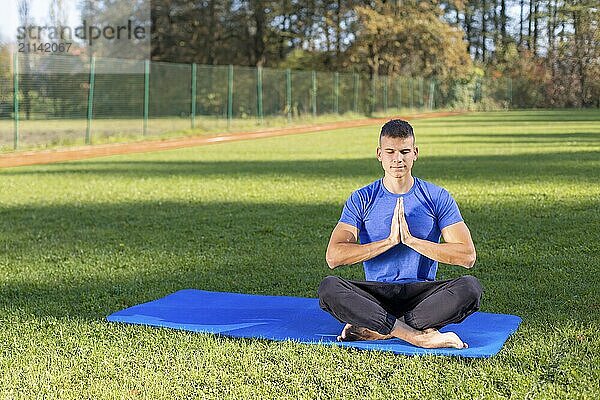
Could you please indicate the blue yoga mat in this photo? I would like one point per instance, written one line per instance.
(298, 319)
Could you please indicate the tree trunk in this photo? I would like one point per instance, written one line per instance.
(530, 24)
(577, 39)
(503, 22)
(210, 43)
(496, 21)
(259, 35)
(312, 12)
(484, 6)
(536, 19)
(469, 30)
(284, 29)
(522, 6)
(338, 33)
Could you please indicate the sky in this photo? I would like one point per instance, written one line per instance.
(9, 16)
(115, 35)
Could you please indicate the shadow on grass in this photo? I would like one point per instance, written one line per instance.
(559, 165)
(509, 117)
(88, 261)
(94, 259)
(560, 140)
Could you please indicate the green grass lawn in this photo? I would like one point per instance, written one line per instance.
(81, 240)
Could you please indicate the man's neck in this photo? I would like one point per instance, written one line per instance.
(398, 185)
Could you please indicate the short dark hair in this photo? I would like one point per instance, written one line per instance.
(397, 128)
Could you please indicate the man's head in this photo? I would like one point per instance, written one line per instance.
(397, 151)
(397, 128)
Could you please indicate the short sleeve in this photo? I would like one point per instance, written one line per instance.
(353, 212)
(447, 211)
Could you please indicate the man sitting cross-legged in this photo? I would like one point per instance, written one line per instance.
(399, 220)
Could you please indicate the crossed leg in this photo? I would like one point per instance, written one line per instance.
(412, 312)
(429, 338)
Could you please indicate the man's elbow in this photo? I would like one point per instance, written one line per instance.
(332, 258)
(332, 263)
(470, 259)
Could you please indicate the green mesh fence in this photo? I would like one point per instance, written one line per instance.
(53, 98)
(325, 93)
(118, 101)
(396, 92)
(211, 91)
(170, 97)
(77, 100)
(6, 105)
(346, 93)
(365, 95)
(274, 92)
(244, 99)
(302, 93)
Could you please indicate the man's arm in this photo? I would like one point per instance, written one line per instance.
(343, 248)
(458, 248)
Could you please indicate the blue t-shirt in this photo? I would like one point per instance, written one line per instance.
(428, 209)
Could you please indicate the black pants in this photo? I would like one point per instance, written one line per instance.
(377, 305)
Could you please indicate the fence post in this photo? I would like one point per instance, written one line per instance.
(399, 91)
(313, 94)
(259, 94)
(431, 94)
(146, 94)
(193, 105)
(385, 93)
(16, 99)
(373, 97)
(421, 102)
(229, 95)
(288, 93)
(411, 90)
(90, 107)
(509, 87)
(336, 92)
(477, 91)
(355, 99)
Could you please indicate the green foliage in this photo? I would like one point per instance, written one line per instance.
(529, 78)
(550, 48)
(80, 240)
(479, 95)
(409, 39)
(564, 73)
(303, 60)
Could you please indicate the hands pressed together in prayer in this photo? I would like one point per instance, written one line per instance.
(399, 232)
(457, 249)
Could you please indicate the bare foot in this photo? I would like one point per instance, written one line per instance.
(352, 333)
(433, 339)
(429, 338)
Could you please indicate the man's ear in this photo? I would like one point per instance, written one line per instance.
(379, 153)
(416, 152)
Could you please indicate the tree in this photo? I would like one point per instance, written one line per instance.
(25, 83)
(410, 39)
(584, 47)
